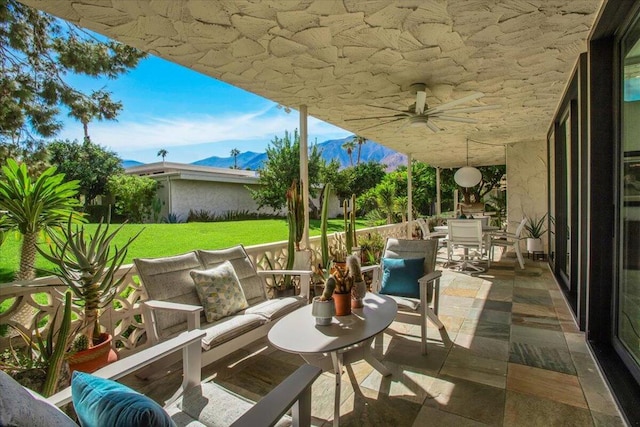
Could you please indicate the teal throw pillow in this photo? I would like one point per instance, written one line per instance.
(101, 402)
(219, 291)
(400, 276)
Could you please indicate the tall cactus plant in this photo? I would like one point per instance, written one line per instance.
(295, 219)
(56, 350)
(324, 239)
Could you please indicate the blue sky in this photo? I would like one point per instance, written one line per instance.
(190, 115)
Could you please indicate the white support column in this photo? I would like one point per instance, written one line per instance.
(304, 172)
(409, 197)
(438, 197)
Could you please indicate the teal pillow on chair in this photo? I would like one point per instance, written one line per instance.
(101, 402)
(400, 276)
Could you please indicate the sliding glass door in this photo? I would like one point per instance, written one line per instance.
(628, 286)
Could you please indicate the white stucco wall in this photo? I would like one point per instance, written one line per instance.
(215, 197)
(527, 192)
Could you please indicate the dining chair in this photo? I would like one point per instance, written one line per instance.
(507, 240)
(466, 234)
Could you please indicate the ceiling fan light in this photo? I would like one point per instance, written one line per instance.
(467, 176)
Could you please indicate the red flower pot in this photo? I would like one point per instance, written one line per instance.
(343, 303)
(94, 358)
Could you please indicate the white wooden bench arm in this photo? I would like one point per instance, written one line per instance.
(294, 392)
(190, 344)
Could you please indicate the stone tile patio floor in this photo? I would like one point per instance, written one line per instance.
(513, 357)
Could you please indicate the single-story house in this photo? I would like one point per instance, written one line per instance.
(185, 187)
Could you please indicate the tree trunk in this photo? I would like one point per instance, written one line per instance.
(28, 257)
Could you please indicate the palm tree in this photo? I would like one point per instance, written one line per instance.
(234, 154)
(360, 140)
(349, 146)
(162, 153)
(386, 198)
(33, 206)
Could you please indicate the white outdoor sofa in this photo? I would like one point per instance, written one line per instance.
(174, 306)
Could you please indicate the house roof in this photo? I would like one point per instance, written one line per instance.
(350, 59)
(161, 170)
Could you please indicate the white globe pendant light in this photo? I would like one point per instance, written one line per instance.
(467, 176)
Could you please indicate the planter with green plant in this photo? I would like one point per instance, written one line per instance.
(89, 266)
(535, 229)
(40, 365)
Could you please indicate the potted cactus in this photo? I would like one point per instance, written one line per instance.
(88, 266)
(323, 307)
(359, 287)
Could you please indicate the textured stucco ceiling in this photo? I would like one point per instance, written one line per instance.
(339, 57)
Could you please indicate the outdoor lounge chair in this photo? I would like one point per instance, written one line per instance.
(174, 304)
(195, 403)
(415, 286)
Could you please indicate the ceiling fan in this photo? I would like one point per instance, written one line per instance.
(419, 114)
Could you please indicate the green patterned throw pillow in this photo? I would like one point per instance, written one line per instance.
(219, 291)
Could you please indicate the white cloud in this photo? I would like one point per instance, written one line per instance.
(127, 135)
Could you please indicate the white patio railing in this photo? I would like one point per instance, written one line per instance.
(34, 303)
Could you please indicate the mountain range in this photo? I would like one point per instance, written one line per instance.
(331, 149)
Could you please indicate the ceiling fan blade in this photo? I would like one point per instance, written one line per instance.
(454, 103)
(473, 109)
(381, 124)
(421, 100)
(371, 118)
(403, 126)
(387, 108)
(433, 127)
(455, 119)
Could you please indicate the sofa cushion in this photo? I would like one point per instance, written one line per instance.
(251, 283)
(204, 403)
(102, 402)
(400, 276)
(22, 407)
(219, 290)
(229, 328)
(168, 279)
(276, 308)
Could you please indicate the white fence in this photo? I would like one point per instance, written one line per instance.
(35, 302)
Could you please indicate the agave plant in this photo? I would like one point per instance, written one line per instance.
(88, 266)
(535, 227)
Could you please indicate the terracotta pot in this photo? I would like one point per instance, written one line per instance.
(94, 358)
(343, 304)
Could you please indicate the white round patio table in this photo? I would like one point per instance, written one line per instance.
(345, 340)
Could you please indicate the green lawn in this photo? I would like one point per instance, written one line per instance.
(170, 239)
